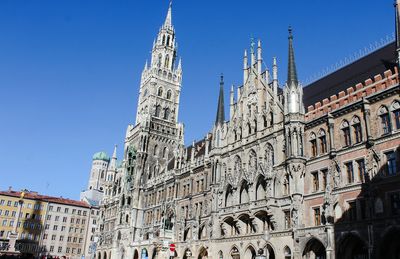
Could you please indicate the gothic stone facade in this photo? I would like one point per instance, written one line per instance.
(296, 183)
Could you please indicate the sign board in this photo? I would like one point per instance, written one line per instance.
(172, 247)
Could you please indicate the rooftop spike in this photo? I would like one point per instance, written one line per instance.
(113, 162)
(292, 73)
(397, 28)
(220, 109)
(168, 19)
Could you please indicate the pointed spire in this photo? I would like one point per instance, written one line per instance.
(168, 19)
(179, 64)
(113, 162)
(275, 76)
(146, 65)
(220, 109)
(397, 27)
(292, 73)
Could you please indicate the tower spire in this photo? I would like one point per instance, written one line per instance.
(113, 162)
(397, 28)
(168, 19)
(292, 73)
(220, 109)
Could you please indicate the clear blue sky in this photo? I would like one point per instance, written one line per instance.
(70, 69)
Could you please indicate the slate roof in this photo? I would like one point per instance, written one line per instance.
(360, 70)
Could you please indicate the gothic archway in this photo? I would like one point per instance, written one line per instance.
(136, 254)
(352, 247)
(235, 253)
(250, 253)
(203, 253)
(389, 248)
(314, 249)
(269, 252)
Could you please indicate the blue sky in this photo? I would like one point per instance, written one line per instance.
(70, 69)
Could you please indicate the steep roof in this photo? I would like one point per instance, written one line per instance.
(357, 72)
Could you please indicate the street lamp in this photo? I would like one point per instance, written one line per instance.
(261, 254)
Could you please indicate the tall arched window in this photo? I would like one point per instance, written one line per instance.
(155, 152)
(164, 153)
(160, 91)
(166, 114)
(169, 94)
(346, 133)
(395, 108)
(163, 40)
(313, 143)
(385, 120)
(159, 60)
(166, 63)
(322, 141)
(168, 39)
(286, 185)
(158, 110)
(271, 119)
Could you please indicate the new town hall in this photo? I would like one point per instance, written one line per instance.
(292, 172)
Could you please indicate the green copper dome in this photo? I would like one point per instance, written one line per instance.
(101, 156)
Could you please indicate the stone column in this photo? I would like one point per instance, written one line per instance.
(367, 120)
(331, 129)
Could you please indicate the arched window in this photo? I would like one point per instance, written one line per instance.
(346, 133)
(255, 126)
(265, 121)
(269, 155)
(271, 119)
(166, 114)
(166, 63)
(385, 120)
(313, 143)
(322, 141)
(159, 60)
(249, 128)
(357, 129)
(168, 39)
(158, 110)
(286, 185)
(287, 253)
(169, 94)
(160, 91)
(395, 108)
(155, 150)
(164, 153)
(163, 40)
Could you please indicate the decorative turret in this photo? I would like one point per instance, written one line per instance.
(113, 162)
(245, 66)
(220, 108)
(275, 76)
